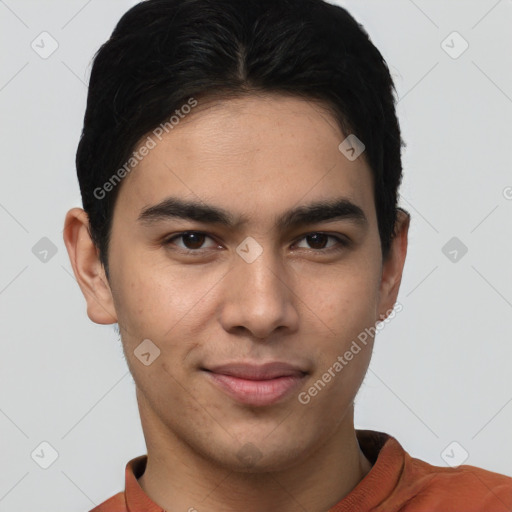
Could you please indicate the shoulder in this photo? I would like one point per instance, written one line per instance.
(399, 481)
(116, 503)
(472, 488)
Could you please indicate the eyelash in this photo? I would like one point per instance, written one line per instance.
(342, 242)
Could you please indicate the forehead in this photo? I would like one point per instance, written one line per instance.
(249, 155)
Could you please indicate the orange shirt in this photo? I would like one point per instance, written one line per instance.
(397, 482)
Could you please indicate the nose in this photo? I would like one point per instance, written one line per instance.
(258, 296)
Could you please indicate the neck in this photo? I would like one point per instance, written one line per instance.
(177, 477)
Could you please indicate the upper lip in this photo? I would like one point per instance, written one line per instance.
(252, 371)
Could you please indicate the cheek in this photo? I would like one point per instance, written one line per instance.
(343, 300)
(168, 306)
(342, 306)
(153, 300)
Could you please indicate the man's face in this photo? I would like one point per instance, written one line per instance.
(291, 294)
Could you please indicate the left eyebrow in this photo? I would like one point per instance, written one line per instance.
(313, 213)
(322, 211)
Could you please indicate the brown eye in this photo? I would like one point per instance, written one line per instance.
(318, 241)
(191, 241)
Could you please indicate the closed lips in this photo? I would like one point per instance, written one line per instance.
(266, 371)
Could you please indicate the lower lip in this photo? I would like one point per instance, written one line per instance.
(257, 392)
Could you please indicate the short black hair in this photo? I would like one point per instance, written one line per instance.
(162, 53)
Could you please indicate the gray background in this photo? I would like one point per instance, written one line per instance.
(441, 368)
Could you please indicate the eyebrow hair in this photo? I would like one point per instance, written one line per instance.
(320, 211)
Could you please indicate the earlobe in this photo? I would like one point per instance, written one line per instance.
(393, 266)
(87, 267)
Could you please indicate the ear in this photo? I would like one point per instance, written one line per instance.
(88, 270)
(393, 265)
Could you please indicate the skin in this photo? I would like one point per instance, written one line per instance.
(297, 302)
